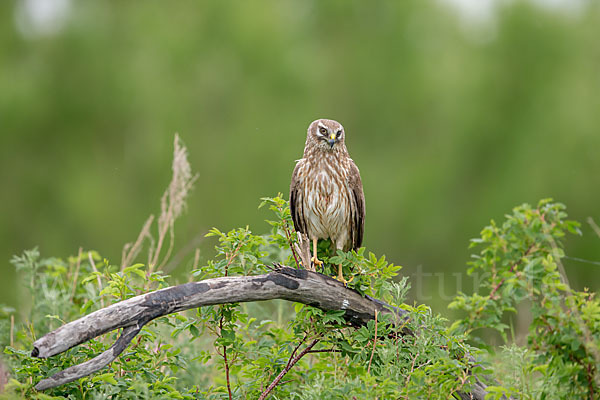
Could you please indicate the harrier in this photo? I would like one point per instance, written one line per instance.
(326, 193)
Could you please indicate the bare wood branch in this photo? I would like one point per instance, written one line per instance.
(97, 363)
(283, 282)
(302, 247)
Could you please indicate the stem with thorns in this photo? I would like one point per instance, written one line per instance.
(289, 366)
(225, 361)
(374, 344)
(295, 350)
(230, 258)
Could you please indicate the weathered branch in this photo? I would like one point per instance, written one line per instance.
(282, 283)
(95, 364)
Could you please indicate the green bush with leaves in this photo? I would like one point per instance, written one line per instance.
(521, 259)
(283, 350)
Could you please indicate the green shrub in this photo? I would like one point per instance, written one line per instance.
(238, 350)
(522, 261)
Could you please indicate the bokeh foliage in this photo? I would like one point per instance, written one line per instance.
(451, 121)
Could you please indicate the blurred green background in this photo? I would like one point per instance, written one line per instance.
(455, 111)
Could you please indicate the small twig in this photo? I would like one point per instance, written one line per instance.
(163, 228)
(12, 329)
(512, 270)
(325, 351)
(225, 361)
(229, 261)
(374, 344)
(287, 368)
(295, 350)
(131, 251)
(288, 235)
(227, 370)
(177, 259)
(76, 274)
(302, 247)
(232, 256)
(97, 276)
(171, 245)
(396, 343)
(594, 226)
(582, 260)
(412, 368)
(196, 259)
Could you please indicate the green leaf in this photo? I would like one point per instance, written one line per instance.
(136, 269)
(107, 377)
(194, 331)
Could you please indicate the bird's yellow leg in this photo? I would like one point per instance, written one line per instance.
(315, 260)
(340, 276)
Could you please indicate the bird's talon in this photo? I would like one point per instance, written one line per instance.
(341, 278)
(344, 281)
(316, 261)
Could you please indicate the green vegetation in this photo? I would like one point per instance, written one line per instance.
(522, 261)
(238, 350)
(451, 121)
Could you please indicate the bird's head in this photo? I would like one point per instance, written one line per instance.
(326, 134)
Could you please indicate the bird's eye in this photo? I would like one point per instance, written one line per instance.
(339, 134)
(323, 131)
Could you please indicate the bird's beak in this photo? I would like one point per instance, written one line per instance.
(331, 140)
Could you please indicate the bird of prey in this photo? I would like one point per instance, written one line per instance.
(326, 192)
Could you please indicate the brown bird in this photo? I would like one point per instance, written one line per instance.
(326, 193)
